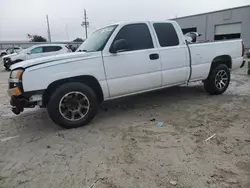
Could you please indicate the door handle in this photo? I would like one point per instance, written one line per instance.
(154, 56)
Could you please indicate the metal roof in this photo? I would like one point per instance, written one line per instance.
(245, 6)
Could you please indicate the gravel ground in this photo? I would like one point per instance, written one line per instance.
(124, 148)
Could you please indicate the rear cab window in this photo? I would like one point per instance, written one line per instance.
(137, 36)
(166, 34)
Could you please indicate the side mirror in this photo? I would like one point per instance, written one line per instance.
(28, 53)
(192, 36)
(119, 46)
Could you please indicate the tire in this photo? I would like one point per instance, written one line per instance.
(212, 85)
(72, 91)
(7, 67)
(3, 54)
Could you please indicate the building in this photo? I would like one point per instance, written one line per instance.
(225, 24)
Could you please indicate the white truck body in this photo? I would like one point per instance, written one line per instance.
(126, 73)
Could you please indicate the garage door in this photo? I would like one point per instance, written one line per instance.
(227, 31)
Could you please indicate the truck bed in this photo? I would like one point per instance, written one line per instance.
(202, 54)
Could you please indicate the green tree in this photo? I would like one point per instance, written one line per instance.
(37, 38)
(78, 40)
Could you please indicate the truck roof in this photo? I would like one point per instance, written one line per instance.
(142, 21)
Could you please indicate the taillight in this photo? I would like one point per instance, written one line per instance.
(243, 49)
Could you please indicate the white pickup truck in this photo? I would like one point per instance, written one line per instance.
(116, 61)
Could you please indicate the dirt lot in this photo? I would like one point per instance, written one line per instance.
(125, 146)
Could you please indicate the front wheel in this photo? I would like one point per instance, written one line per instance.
(218, 80)
(73, 105)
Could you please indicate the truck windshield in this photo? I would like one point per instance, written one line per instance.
(97, 40)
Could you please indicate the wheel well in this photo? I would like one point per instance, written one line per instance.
(88, 80)
(223, 59)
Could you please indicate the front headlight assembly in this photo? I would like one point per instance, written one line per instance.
(16, 74)
(15, 82)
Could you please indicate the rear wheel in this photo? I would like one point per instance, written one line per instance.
(73, 105)
(218, 80)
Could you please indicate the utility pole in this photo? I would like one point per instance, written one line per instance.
(49, 36)
(85, 23)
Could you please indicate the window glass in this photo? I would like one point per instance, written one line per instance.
(166, 34)
(10, 50)
(37, 50)
(51, 48)
(188, 30)
(98, 40)
(137, 36)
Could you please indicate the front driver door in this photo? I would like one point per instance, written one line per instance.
(136, 69)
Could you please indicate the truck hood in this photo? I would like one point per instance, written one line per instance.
(54, 59)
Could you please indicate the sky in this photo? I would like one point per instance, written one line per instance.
(20, 17)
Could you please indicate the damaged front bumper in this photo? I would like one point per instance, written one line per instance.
(18, 98)
(18, 103)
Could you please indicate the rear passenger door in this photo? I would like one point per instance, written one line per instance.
(51, 50)
(173, 53)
